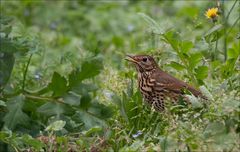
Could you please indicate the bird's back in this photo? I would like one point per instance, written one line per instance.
(173, 84)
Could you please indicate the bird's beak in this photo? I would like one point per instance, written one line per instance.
(130, 58)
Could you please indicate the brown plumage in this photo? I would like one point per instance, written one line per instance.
(156, 85)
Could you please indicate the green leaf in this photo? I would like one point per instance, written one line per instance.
(5, 134)
(213, 30)
(168, 143)
(206, 93)
(194, 101)
(232, 53)
(186, 46)
(90, 68)
(56, 126)
(7, 46)
(152, 23)
(6, 20)
(231, 105)
(2, 103)
(225, 140)
(177, 66)
(201, 72)
(58, 85)
(90, 120)
(6, 29)
(214, 128)
(50, 109)
(85, 101)
(116, 99)
(15, 115)
(92, 131)
(134, 147)
(72, 99)
(100, 110)
(7, 61)
(173, 39)
(84, 88)
(195, 58)
(74, 79)
(32, 142)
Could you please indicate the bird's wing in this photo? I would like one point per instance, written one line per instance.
(168, 82)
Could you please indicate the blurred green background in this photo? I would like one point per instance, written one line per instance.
(64, 60)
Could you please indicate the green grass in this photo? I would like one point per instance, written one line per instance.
(64, 83)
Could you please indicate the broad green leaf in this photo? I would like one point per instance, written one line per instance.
(100, 110)
(90, 120)
(214, 128)
(90, 68)
(116, 100)
(32, 142)
(73, 78)
(50, 109)
(7, 61)
(195, 58)
(85, 101)
(201, 72)
(92, 130)
(173, 39)
(15, 115)
(177, 66)
(6, 29)
(84, 88)
(152, 23)
(2, 103)
(72, 98)
(231, 105)
(232, 53)
(225, 140)
(5, 20)
(5, 134)
(134, 147)
(8, 46)
(56, 126)
(213, 30)
(58, 85)
(186, 46)
(194, 101)
(168, 143)
(229, 68)
(22, 140)
(206, 93)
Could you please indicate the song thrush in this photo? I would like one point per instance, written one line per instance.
(156, 85)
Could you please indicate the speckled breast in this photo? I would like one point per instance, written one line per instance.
(151, 96)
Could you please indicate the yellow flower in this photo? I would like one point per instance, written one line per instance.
(212, 13)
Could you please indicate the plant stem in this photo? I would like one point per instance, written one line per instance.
(233, 25)
(153, 40)
(25, 72)
(225, 20)
(231, 9)
(216, 46)
(43, 98)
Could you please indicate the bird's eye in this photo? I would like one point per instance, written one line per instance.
(144, 59)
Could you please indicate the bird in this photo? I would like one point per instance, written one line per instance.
(157, 86)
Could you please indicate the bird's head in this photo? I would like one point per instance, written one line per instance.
(143, 63)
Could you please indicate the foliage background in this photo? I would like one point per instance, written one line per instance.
(66, 86)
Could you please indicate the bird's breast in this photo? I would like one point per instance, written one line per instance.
(145, 85)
